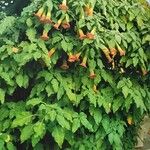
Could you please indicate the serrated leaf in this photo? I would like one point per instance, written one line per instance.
(117, 104)
(59, 135)
(26, 133)
(55, 85)
(49, 90)
(2, 96)
(106, 124)
(97, 116)
(29, 22)
(63, 122)
(85, 122)
(75, 125)
(34, 101)
(39, 130)
(118, 38)
(125, 91)
(60, 92)
(19, 80)
(22, 119)
(10, 146)
(31, 32)
(1, 144)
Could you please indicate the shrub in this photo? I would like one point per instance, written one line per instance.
(74, 75)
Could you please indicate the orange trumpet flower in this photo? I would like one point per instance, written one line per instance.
(51, 52)
(39, 13)
(81, 35)
(113, 52)
(48, 18)
(72, 58)
(121, 51)
(63, 6)
(56, 25)
(45, 36)
(92, 74)
(15, 50)
(91, 35)
(64, 66)
(83, 64)
(77, 56)
(88, 10)
(107, 54)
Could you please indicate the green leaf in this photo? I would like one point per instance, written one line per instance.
(118, 38)
(1, 144)
(55, 85)
(59, 135)
(10, 146)
(29, 22)
(129, 26)
(63, 122)
(26, 133)
(34, 101)
(2, 96)
(111, 137)
(135, 61)
(19, 80)
(64, 45)
(6, 24)
(7, 78)
(106, 124)
(72, 97)
(60, 92)
(117, 103)
(21, 119)
(85, 122)
(31, 32)
(39, 129)
(97, 116)
(49, 90)
(6, 124)
(75, 124)
(125, 91)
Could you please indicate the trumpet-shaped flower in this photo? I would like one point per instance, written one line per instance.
(63, 6)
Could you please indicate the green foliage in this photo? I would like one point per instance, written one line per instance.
(74, 76)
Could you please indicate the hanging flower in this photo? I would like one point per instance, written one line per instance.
(121, 51)
(83, 63)
(48, 18)
(88, 10)
(72, 58)
(113, 64)
(56, 25)
(64, 66)
(92, 74)
(77, 56)
(95, 88)
(144, 71)
(40, 12)
(91, 35)
(15, 50)
(113, 52)
(51, 52)
(130, 120)
(43, 18)
(107, 54)
(65, 23)
(81, 35)
(63, 6)
(45, 36)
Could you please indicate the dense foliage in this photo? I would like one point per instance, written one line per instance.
(73, 75)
